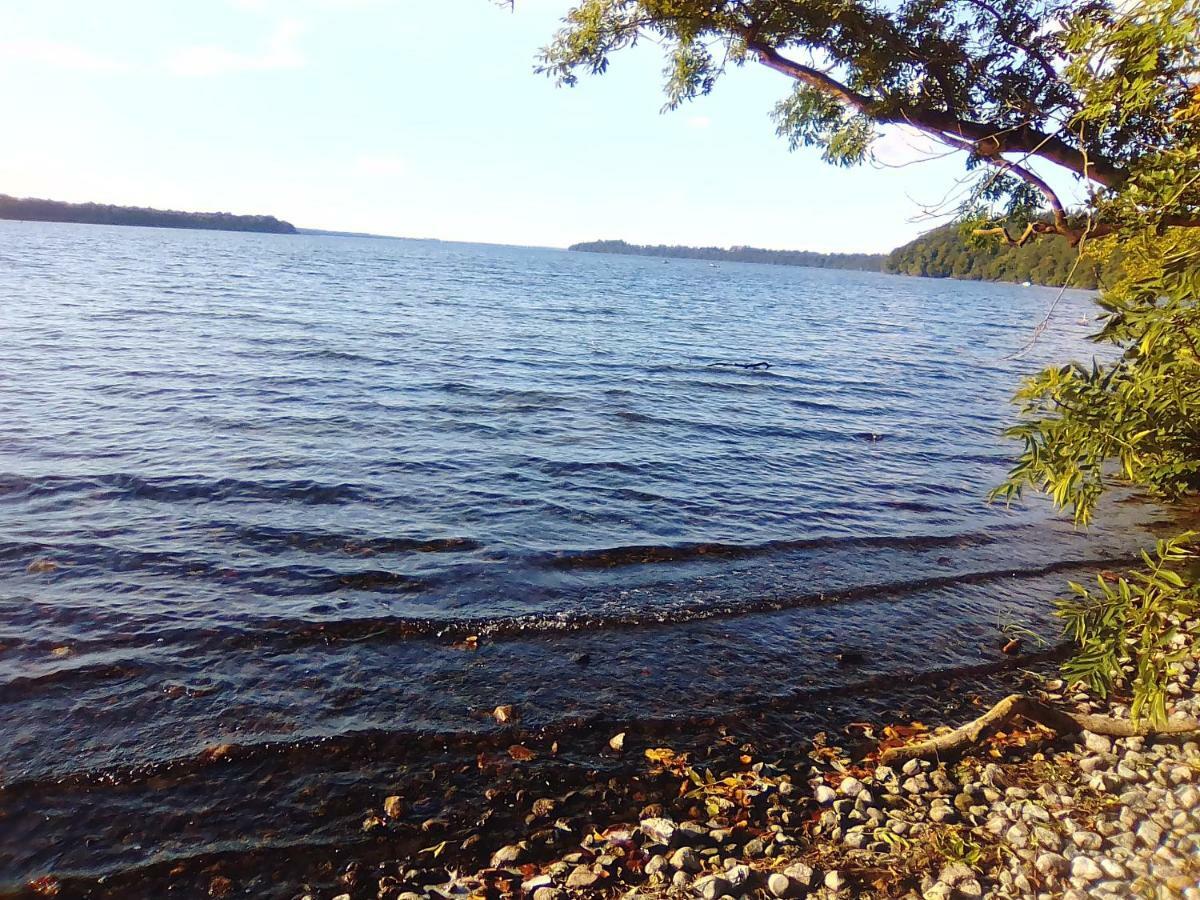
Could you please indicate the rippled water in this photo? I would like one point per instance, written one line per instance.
(258, 490)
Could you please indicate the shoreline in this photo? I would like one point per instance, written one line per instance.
(1025, 814)
(809, 817)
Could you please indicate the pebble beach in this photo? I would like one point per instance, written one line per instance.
(1026, 814)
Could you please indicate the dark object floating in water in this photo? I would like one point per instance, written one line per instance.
(754, 365)
(869, 436)
(851, 658)
(582, 659)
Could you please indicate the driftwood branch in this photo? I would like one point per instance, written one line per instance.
(741, 365)
(1019, 706)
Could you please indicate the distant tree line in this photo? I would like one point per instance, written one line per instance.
(34, 210)
(945, 253)
(866, 261)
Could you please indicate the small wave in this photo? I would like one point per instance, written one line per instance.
(173, 489)
(279, 540)
(23, 685)
(390, 628)
(612, 557)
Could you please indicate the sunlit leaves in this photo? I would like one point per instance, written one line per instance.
(1133, 621)
(810, 117)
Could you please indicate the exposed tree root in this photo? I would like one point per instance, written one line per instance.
(1016, 706)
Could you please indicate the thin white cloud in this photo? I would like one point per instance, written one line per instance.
(280, 52)
(59, 56)
(381, 166)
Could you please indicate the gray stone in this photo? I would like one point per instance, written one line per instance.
(582, 877)
(851, 787)
(1097, 743)
(1031, 812)
(938, 891)
(1051, 864)
(1017, 835)
(855, 839)
(783, 887)
(802, 874)
(941, 781)
(1085, 869)
(1087, 840)
(741, 877)
(955, 874)
(824, 794)
(941, 813)
(656, 864)
(660, 830)
(1046, 839)
(712, 887)
(507, 856)
(835, 880)
(1149, 833)
(681, 880)
(685, 858)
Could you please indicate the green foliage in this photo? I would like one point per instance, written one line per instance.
(809, 117)
(1134, 621)
(1136, 419)
(946, 253)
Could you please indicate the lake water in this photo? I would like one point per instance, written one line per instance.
(259, 491)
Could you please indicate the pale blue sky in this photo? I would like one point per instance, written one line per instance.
(419, 118)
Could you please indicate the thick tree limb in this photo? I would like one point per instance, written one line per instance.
(1019, 706)
(988, 140)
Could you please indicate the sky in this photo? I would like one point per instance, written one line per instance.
(419, 118)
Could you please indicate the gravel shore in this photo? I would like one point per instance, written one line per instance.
(1025, 815)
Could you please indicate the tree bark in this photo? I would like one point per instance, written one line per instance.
(1017, 706)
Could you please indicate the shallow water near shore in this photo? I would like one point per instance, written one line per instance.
(271, 486)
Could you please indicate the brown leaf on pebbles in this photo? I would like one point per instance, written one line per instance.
(521, 753)
(373, 823)
(393, 807)
(217, 753)
(220, 886)
(505, 714)
(46, 886)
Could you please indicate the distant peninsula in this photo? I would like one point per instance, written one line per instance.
(871, 262)
(30, 209)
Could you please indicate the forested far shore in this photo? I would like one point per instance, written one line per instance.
(1049, 260)
(36, 210)
(940, 253)
(866, 261)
